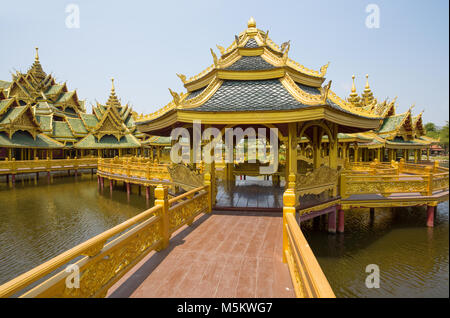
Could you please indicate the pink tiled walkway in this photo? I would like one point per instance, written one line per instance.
(220, 255)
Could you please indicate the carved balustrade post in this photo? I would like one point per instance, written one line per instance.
(343, 185)
(127, 163)
(373, 170)
(401, 165)
(162, 200)
(288, 208)
(436, 166)
(209, 189)
(100, 164)
(429, 172)
(148, 171)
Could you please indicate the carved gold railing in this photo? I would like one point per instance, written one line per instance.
(105, 258)
(394, 177)
(133, 167)
(307, 277)
(36, 165)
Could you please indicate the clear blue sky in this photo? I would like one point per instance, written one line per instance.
(144, 44)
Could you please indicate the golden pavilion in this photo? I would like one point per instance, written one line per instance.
(397, 136)
(41, 118)
(254, 83)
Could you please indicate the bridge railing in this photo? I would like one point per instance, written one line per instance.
(308, 279)
(102, 260)
(37, 165)
(398, 177)
(134, 167)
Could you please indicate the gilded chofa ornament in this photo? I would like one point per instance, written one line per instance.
(176, 97)
(216, 62)
(182, 77)
(221, 49)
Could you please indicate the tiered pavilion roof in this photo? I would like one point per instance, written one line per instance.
(256, 76)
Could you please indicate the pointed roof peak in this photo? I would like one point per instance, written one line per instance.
(251, 23)
(113, 100)
(367, 81)
(353, 84)
(36, 69)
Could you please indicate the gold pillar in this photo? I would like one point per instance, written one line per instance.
(356, 153)
(211, 169)
(316, 147)
(291, 158)
(428, 153)
(333, 144)
(344, 152)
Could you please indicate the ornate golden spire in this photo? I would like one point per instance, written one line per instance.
(113, 100)
(354, 98)
(251, 23)
(353, 84)
(36, 69)
(367, 95)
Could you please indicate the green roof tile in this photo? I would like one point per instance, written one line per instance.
(390, 123)
(24, 139)
(77, 125)
(61, 129)
(90, 120)
(107, 141)
(12, 114)
(45, 122)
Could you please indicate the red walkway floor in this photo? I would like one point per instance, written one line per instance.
(221, 255)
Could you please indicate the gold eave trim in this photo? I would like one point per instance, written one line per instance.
(201, 82)
(277, 72)
(251, 75)
(258, 117)
(244, 51)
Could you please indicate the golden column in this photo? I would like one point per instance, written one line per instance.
(210, 168)
(333, 144)
(291, 156)
(316, 147)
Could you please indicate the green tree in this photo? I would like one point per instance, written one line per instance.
(430, 127)
(431, 130)
(443, 136)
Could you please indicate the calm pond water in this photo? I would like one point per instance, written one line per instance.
(38, 222)
(413, 259)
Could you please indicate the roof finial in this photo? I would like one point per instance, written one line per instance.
(37, 54)
(251, 23)
(367, 81)
(112, 84)
(353, 85)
